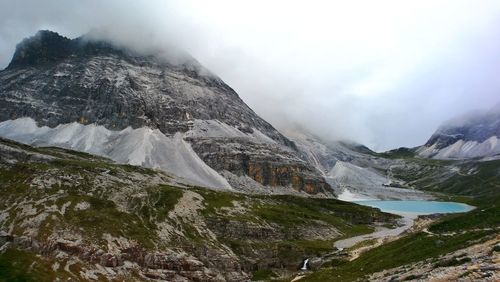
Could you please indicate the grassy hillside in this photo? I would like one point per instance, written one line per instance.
(473, 182)
(452, 233)
(68, 211)
(478, 179)
(467, 178)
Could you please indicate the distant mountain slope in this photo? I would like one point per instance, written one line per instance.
(157, 112)
(472, 136)
(353, 170)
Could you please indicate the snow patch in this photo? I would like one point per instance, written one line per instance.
(348, 196)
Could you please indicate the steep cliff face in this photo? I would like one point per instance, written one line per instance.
(267, 164)
(57, 81)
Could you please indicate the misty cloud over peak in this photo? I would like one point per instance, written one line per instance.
(473, 117)
(385, 74)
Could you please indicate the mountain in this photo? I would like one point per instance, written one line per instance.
(145, 109)
(472, 136)
(80, 201)
(354, 171)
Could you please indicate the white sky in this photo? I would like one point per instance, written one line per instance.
(383, 73)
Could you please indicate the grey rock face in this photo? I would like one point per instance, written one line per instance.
(474, 128)
(95, 83)
(56, 80)
(472, 136)
(268, 164)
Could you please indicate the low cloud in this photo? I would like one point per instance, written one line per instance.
(383, 73)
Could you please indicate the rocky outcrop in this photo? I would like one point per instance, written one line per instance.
(165, 265)
(478, 262)
(267, 164)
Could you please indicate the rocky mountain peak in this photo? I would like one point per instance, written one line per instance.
(469, 136)
(93, 96)
(44, 47)
(476, 126)
(47, 47)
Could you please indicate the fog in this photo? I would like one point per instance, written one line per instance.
(382, 73)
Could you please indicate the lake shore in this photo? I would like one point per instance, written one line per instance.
(413, 209)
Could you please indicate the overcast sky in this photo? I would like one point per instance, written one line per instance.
(383, 73)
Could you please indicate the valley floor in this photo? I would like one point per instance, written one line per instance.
(456, 247)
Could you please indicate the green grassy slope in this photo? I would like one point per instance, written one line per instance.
(472, 182)
(51, 191)
(451, 233)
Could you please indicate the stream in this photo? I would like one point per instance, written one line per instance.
(380, 232)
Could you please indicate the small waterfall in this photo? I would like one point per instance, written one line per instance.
(304, 266)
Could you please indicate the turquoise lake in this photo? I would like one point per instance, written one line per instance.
(417, 207)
